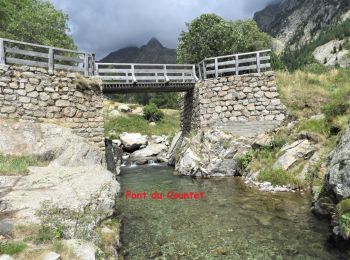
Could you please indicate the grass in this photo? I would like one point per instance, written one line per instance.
(15, 165)
(343, 211)
(169, 125)
(279, 177)
(12, 248)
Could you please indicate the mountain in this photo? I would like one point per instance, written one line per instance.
(152, 52)
(296, 22)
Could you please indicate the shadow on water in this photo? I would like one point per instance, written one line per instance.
(232, 221)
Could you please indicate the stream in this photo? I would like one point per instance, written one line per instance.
(231, 221)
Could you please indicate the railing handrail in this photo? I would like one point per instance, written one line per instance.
(144, 64)
(46, 46)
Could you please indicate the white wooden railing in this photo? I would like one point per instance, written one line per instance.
(51, 58)
(146, 73)
(235, 64)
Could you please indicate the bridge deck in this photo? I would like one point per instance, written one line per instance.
(122, 88)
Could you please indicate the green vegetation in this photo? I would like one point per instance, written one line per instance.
(12, 248)
(296, 59)
(35, 21)
(152, 113)
(138, 124)
(210, 35)
(243, 162)
(343, 211)
(278, 177)
(13, 165)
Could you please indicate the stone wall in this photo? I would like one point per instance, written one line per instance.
(63, 98)
(250, 97)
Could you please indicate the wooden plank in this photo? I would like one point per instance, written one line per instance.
(194, 74)
(26, 53)
(66, 58)
(204, 70)
(216, 68)
(2, 52)
(181, 77)
(50, 61)
(220, 71)
(134, 80)
(86, 64)
(114, 70)
(113, 78)
(69, 68)
(237, 65)
(250, 67)
(258, 62)
(27, 62)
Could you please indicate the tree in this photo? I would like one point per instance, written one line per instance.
(35, 21)
(210, 35)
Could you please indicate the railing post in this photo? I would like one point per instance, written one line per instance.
(51, 61)
(258, 62)
(194, 73)
(86, 64)
(2, 52)
(200, 71)
(216, 68)
(166, 74)
(134, 80)
(204, 70)
(237, 64)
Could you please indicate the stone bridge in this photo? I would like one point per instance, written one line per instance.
(235, 93)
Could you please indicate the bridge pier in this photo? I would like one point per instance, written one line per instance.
(243, 105)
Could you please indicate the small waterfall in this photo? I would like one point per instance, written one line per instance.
(133, 165)
(152, 163)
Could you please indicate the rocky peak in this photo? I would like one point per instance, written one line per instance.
(295, 22)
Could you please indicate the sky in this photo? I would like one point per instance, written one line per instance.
(103, 26)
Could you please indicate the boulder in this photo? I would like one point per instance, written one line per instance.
(133, 141)
(124, 108)
(114, 114)
(82, 249)
(138, 111)
(176, 142)
(159, 139)
(5, 257)
(52, 256)
(75, 189)
(149, 151)
(338, 174)
(262, 140)
(301, 149)
(6, 228)
(189, 164)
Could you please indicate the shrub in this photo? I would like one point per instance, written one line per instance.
(339, 105)
(343, 210)
(243, 162)
(152, 113)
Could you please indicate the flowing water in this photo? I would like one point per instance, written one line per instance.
(232, 221)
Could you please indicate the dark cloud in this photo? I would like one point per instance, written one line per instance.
(103, 26)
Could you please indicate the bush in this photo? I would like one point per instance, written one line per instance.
(243, 162)
(152, 113)
(339, 105)
(343, 210)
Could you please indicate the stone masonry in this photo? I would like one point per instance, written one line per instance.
(67, 99)
(244, 98)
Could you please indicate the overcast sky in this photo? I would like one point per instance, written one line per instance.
(102, 26)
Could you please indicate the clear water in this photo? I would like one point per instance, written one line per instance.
(233, 221)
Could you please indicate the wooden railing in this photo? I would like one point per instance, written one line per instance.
(51, 58)
(235, 64)
(145, 73)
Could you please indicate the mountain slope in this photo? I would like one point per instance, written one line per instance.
(296, 22)
(152, 52)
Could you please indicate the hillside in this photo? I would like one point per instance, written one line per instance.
(296, 22)
(152, 52)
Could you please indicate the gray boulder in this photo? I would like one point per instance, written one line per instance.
(124, 108)
(82, 249)
(52, 256)
(133, 141)
(149, 151)
(301, 149)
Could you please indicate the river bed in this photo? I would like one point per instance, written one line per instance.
(231, 220)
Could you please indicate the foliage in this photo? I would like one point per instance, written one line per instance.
(339, 104)
(243, 162)
(343, 210)
(210, 35)
(169, 125)
(296, 59)
(152, 113)
(278, 177)
(35, 21)
(162, 100)
(10, 165)
(276, 62)
(12, 248)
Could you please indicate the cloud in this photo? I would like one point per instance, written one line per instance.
(102, 26)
